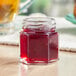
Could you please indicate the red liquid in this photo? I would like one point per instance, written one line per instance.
(36, 46)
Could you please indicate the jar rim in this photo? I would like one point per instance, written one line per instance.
(38, 19)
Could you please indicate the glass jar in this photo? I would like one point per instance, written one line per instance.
(38, 41)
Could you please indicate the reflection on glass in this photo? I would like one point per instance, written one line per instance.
(39, 70)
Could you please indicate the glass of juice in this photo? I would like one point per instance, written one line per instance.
(8, 10)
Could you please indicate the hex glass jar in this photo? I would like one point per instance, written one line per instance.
(38, 41)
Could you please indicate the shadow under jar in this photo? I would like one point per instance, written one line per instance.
(38, 41)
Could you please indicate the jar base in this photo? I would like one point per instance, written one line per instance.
(37, 62)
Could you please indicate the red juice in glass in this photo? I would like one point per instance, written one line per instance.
(38, 42)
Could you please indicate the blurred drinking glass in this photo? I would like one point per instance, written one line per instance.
(8, 10)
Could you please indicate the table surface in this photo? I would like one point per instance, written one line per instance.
(9, 65)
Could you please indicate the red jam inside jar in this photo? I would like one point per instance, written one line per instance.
(38, 42)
